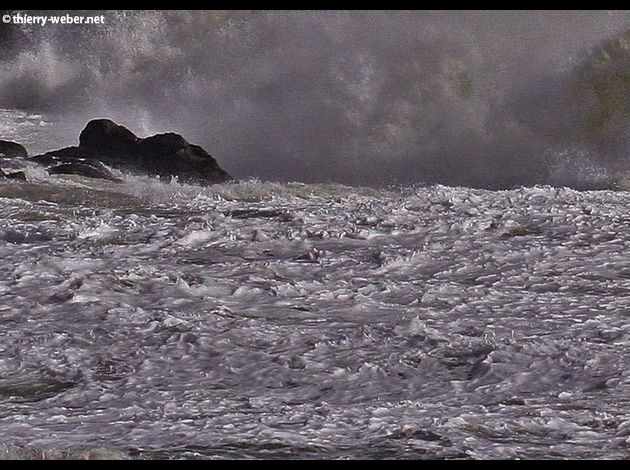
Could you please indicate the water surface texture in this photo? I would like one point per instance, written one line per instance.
(269, 320)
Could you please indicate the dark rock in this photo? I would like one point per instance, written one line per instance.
(14, 176)
(65, 155)
(169, 155)
(105, 137)
(12, 150)
(88, 168)
(20, 175)
(164, 155)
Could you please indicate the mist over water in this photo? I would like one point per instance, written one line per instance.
(488, 99)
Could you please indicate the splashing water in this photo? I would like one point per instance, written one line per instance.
(488, 99)
(315, 319)
(276, 320)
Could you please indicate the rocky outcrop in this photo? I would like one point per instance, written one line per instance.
(19, 175)
(74, 161)
(105, 137)
(65, 155)
(165, 155)
(12, 150)
(88, 168)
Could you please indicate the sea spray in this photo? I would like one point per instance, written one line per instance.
(489, 99)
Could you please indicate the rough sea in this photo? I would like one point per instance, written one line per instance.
(286, 320)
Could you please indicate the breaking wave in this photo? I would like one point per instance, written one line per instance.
(486, 99)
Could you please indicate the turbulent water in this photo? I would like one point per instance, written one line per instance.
(463, 98)
(267, 320)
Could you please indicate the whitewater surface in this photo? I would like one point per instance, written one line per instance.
(154, 320)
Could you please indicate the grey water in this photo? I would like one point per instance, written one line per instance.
(439, 318)
(269, 320)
